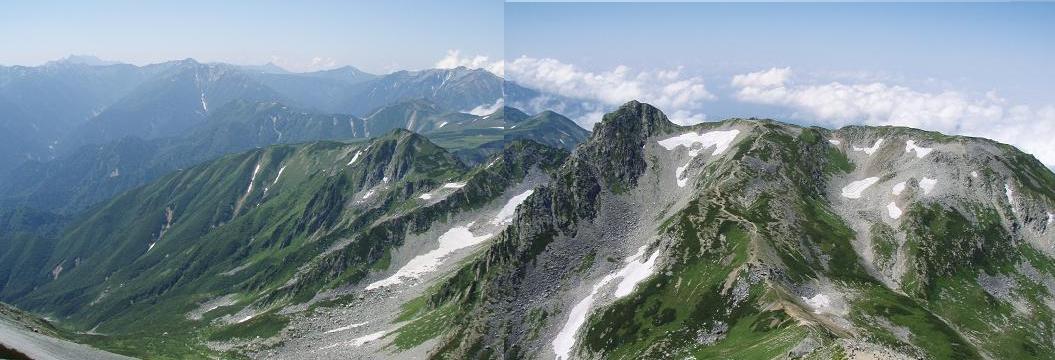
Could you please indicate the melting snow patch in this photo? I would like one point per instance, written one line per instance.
(154, 243)
(368, 194)
(1051, 218)
(633, 273)
(719, 139)
(355, 157)
(834, 141)
(454, 239)
(854, 189)
(1010, 196)
(927, 184)
(252, 179)
(343, 328)
(920, 151)
(280, 170)
(893, 210)
(974, 174)
(898, 188)
(453, 185)
(820, 303)
(678, 175)
(697, 142)
(505, 216)
(425, 197)
(360, 341)
(870, 150)
(442, 124)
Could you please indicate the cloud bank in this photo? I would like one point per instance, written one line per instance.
(455, 59)
(680, 96)
(876, 103)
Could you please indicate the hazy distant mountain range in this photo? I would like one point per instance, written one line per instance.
(54, 109)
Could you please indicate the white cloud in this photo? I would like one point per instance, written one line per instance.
(487, 109)
(669, 90)
(767, 78)
(454, 59)
(877, 103)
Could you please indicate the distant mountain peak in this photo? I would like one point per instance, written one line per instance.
(89, 60)
(269, 68)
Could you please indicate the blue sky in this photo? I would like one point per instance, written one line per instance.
(376, 36)
(1009, 47)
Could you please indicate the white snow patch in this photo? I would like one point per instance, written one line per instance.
(678, 175)
(454, 239)
(1051, 218)
(1010, 197)
(854, 189)
(820, 303)
(633, 273)
(442, 124)
(927, 184)
(252, 179)
(280, 170)
(204, 104)
(898, 188)
(499, 127)
(349, 327)
(870, 150)
(155, 243)
(362, 340)
(920, 151)
(834, 141)
(974, 174)
(505, 216)
(893, 210)
(492, 163)
(355, 157)
(368, 194)
(453, 185)
(696, 142)
(425, 197)
(385, 180)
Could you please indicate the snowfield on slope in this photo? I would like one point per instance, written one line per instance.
(854, 189)
(505, 216)
(696, 142)
(635, 271)
(870, 150)
(911, 146)
(453, 240)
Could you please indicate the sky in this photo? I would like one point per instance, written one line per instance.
(376, 36)
(980, 69)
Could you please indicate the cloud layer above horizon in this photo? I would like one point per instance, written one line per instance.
(836, 104)
(587, 95)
